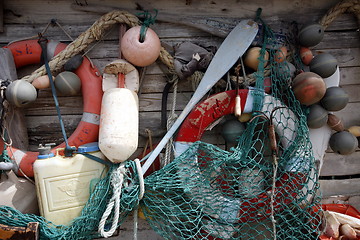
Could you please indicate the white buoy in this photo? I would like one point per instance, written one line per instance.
(119, 118)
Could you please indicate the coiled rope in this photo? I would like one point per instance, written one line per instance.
(349, 6)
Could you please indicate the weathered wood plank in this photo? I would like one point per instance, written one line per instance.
(340, 187)
(73, 105)
(332, 40)
(349, 76)
(47, 129)
(353, 92)
(25, 10)
(350, 114)
(340, 165)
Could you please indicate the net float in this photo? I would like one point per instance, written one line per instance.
(251, 59)
(335, 99)
(67, 83)
(306, 55)
(323, 64)
(140, 53)
(355, 130)
(311, 35)
(73, 63)
(343, 142)
(20, 93)
(231, 130)
(119, 118)
(281, 54)
(335, 123)
(41, 82)
(317, 117)
(308, 87)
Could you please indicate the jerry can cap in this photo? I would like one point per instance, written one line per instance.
(89, 147)
(45, 156)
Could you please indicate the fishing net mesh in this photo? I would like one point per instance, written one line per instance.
(252, 191)
(86, 225)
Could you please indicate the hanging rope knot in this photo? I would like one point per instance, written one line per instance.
(117, 178)
(117, 182)
(148, 20)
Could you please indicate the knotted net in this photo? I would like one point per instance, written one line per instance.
(259, 189)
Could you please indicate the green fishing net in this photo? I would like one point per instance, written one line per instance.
(256, 190)
(85, 226)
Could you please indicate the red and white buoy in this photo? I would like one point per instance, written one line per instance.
(119, 118)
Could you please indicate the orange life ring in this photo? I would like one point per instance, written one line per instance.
(239, 210)
(29, 52)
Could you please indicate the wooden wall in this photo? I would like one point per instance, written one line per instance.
(23, 18)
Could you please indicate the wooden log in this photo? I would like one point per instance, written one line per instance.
(30, 232)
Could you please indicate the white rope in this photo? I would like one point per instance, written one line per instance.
(141, 178)
(141, 194)
(170, 121)
(117, 179)
(272, 197)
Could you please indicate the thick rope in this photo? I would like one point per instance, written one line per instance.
(340, 8)
(94, 33)
(117, 179)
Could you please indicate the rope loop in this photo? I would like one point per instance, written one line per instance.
(117, 179)
(352, 6)
(148, 20)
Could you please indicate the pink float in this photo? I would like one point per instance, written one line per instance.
(139, 53)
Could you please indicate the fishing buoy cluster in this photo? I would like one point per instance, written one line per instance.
(119, 119)
(117, 110)
(315, 90)
(21, 93)
(67, 82)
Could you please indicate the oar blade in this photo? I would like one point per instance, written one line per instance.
(233, 47)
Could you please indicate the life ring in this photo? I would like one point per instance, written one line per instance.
(29, 52)
(234, 210)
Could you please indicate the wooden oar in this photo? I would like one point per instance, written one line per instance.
(233, 47)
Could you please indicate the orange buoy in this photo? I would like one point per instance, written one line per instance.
(335, 123)
(281, 54)
(306, 55)
(309, 88)
(252, 58)
(41, 82)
